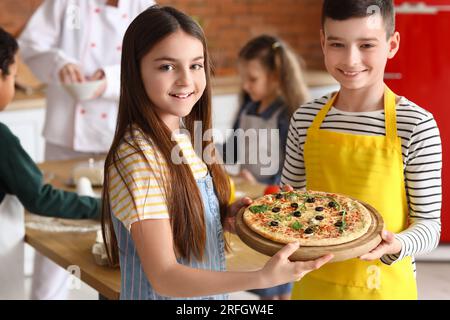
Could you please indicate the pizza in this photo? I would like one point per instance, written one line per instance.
(312, 218)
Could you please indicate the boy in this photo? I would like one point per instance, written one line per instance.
(21, 185)
(370, 144)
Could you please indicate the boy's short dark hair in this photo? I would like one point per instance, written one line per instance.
(8, 49)
(347, 9)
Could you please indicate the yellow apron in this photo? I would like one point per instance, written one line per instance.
(369, 168)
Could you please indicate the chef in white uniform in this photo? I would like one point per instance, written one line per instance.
(72, 41)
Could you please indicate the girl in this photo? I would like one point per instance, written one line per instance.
(273, 88)
(164, 221)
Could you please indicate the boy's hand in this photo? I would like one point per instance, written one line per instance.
(388, 245)
(233, 209)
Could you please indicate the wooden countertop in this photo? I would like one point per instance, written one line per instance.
(74, 249)
(23, 101)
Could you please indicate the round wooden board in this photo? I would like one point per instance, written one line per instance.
(341, 252)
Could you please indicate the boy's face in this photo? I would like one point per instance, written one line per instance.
(356, 50)
(7, 85)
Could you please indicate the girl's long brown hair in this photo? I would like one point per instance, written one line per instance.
(136, 111)
(276, 56)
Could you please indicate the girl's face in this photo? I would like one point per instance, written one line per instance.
(257, 81)
(174, 77)
(7, 85)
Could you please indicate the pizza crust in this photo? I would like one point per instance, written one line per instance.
(290, 228)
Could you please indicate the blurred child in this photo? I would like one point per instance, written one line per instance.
(22, 185)
(163, 218)
(273, 88)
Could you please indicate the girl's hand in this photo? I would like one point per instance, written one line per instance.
(279, 269)
(247, 176)
(71, 73)
(388, 245)
(287, 188)
(233, 209)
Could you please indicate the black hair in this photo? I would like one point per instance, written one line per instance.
(8, 49)
(347, 9)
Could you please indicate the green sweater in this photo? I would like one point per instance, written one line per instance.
(20, 176)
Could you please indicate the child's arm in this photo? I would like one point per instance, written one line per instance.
(21, 177)
(424, 190)
(153, 240)
(294, 167)
(423, 186)
(39, 41)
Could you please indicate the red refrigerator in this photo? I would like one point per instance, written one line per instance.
(421, 72)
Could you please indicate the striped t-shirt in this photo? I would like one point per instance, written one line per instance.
(144, 178)
(422, 163)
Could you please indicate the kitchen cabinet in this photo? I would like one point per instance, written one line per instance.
(27, 124)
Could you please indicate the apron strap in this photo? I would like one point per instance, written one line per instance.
(317, 122)
(390, 115)
(389, 111)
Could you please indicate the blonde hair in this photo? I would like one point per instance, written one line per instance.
(276, 56)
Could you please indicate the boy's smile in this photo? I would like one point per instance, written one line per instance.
(356, 50)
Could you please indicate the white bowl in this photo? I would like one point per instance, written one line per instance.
(85, 90)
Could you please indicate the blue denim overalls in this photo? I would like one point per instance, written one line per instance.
(134, 283)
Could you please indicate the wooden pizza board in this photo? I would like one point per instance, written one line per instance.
(341, 252)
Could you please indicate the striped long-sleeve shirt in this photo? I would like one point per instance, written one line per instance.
(422, 163)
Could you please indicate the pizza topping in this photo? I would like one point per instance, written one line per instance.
(339, 224)
(309, 230)
(259, 209)
(279, 196)
(320, 218)
(311, 200)
(332, 204)
(274, 223)
(276, 209)
(297, 214)
(319, 209)
(344, 224)
(296, 225)
(294, 205)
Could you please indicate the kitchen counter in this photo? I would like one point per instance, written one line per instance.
(69, 249)
(23, 101)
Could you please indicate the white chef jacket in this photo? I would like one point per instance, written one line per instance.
(88, 33)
